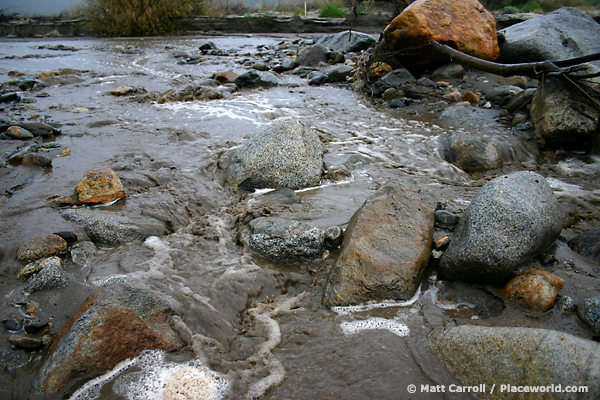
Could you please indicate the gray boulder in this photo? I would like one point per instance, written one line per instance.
(385, 250)
(286, 154)
(313, 56)
(562, 34)
(283, 241)
(398, 77)
(469, 116)
(471, 154)
(254, 79)
(107, 227)
(340, 73)
(563, 115)
(519, 357)
(347, 41)
(510, 219)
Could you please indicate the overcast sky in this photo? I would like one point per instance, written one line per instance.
(38, 7)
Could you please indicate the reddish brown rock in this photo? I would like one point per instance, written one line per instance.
(225, 76)
(464, 25)
(46, 74)
(121, 91)
(100, 186)
(535, 289)
(41, 247)
(470, 97)
(116, 322)
(385, 250)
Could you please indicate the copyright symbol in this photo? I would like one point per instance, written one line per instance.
(411, 388)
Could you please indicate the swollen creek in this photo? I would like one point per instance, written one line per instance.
(257, 327)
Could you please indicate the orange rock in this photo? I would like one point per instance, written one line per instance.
(470, 97)
(379, 69)
(46, 74)
(225, 76)
(65, 153)
(17, 132)
(464, 25)
(100, 186)
(535, 289)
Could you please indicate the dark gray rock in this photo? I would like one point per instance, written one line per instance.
(104, 226)
(471, 154)
(286, 154)
(254, 79)
(334, 235)
(39, 129)
(510, 219)
(347, 41)
(448, 71)
(520, 100)
(589, 312)
(563, 115)
(288, 64)
(50, 277)
(398, 77)
(587, 244)
(397, 104)
(501, 95)
(340, 73)
(385, 250)
(283, 241)
(313, 56)
(520, 357)
(319, 80)
(446, 219)
(559, 35)
(13, 359)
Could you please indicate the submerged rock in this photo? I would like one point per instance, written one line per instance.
(479, 355)
(485, 303)
(283, 241)
(385, 250)
(253, 79)
(116, 322)
(286, 154)
(587, 244)
(535, 289)
(41, 247)
(464, 25)
(471, 154)
(509, 220)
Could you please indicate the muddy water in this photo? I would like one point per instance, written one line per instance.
(255, 327)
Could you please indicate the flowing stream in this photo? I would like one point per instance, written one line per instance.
(254, 329)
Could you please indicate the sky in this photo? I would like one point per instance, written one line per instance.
(37, 7)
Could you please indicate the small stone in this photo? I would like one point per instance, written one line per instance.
(337, 173)
(36, 266)
(441, 242)
(446, 219)
(25, 342)
(47, 74)
(453, 96)
(50, 277)
(319, 80)
(122, 91)
(41, 247)
(397, 104)
(31, 309)
(13, 325)
(334, 235)
(470, 97)
(589, 312)
(33, 327)
(83, 252)
(80, 110)
(69, 236)
(565, 304)
(66, 152)
(36, 160)
(100, 186)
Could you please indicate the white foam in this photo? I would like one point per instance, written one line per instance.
(391, 325)
(347, 310)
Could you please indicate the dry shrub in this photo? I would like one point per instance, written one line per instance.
(139, 17)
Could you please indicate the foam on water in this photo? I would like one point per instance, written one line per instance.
(347, 310)
(391, 325)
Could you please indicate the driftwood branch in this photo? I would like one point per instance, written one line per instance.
(527, 69)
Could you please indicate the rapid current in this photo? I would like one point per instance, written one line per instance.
(253, 328)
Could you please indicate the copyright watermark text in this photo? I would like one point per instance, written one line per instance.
(503, 388)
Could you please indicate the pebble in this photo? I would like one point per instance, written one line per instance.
(36, 160)
(16, 132)
(80, 110)
(36, 266)
(26, 342)
(334, 236)
(565, 304)
(13, 325)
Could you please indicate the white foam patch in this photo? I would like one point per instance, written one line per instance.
(347, 310)
(557, 184)
(391, 325)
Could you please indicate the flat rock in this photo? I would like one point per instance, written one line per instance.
(254, 79)
(385, 250)
(510, 219)
(283, 241)
(520, 357)
(100, 186)
(347, 41)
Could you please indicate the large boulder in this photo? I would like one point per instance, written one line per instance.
(564, 115)
(385, 250)
(510, 219)
(347, 41)
(283, 241)
(464, 25)
(116, 322)
(479, 355)
(562, 34)
(286, 154)
(313, 56)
